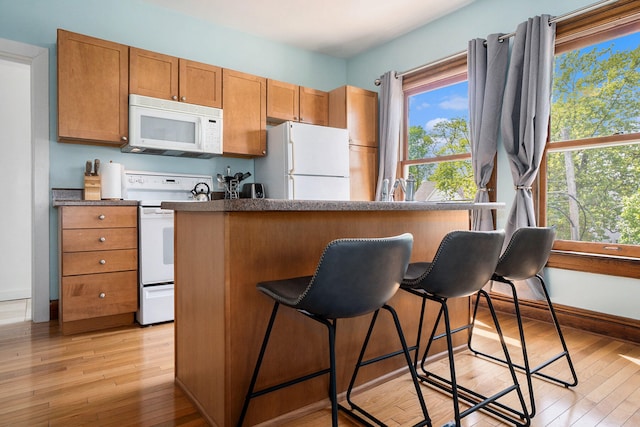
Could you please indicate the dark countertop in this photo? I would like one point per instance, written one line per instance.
(74, 197)
(248, 205)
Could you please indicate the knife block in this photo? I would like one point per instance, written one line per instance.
(92, 187)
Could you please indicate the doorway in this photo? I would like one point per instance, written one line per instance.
(24, 168)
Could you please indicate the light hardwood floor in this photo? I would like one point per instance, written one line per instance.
(125, 377)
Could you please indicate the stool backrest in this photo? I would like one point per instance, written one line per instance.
(357, 276)
(527, 253)
(463, 264)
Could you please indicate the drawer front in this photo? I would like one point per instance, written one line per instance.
(96, 295)
(75, 263)
(99, 216)
(99, 239)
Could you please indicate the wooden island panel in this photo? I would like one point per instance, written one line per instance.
(221, 317)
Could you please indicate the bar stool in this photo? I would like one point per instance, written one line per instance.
(524, 258)
(354, 277)
(463, 264)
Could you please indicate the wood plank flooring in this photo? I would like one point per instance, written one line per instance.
(124, 377)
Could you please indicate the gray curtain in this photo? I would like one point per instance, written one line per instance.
(486, 73)
(525, 117)
(391, 100)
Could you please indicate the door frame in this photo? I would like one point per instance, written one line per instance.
(38, 59)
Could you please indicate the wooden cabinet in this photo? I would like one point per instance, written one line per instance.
(356, 109)
(245, 114)
(167, 77)
(289, 102)
(98, 267)
(363, 172)
(93, 90)
(314, 106)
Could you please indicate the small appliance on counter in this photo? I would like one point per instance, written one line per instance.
(252, 191)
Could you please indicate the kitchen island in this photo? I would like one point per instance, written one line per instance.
(224, 247)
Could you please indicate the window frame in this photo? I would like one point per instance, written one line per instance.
(610, 21)
(444, 73)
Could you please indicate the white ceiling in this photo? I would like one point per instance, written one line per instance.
(341, 28)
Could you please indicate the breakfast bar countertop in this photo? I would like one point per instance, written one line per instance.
(246, 205)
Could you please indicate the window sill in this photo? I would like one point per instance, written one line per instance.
(593, 263)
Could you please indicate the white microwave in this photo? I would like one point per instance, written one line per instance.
(171, 128)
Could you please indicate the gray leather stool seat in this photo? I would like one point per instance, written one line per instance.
(354, 277)
(524, 257)
(462, 266)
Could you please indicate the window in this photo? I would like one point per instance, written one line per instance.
(437, 153)
(590, 177)
(589, 181)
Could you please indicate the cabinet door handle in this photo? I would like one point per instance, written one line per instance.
(124, 138)
(101, 217)
(184, 98)
(174, 97)
(102, 295)
(102, 239)
(103, 262)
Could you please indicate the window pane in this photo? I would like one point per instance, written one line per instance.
(444, 181)
(596, 90)
(437, 122)
(593, 195)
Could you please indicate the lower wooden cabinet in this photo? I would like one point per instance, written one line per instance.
(98, 267)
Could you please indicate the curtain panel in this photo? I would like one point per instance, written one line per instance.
(525, 117)
(391, 101)
(486, 71)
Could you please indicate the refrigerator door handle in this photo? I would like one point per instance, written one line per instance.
(291, 157)
(291, 187)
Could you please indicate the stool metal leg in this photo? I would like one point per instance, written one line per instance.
(251, 393)
(360, 363)
(526, 367)
(254, 377)
(460, 393)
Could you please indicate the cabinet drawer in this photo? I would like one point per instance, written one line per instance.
(96, 295)
(99, 239)
(75, 263)
(99, 216)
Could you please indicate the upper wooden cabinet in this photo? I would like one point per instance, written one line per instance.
(355, 109)
(283, 101)
(93, 90)
(167, 77)
(289, 102)
(245, 114)
(314, 106)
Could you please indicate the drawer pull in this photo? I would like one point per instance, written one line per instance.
(103, 262)
(102, 295)
(102, 239)
(101, 217)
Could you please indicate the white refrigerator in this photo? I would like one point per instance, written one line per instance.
(305, 162)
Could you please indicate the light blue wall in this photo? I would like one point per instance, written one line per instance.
(136, 23)
(449, 35)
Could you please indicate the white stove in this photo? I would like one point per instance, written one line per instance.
(155, 236)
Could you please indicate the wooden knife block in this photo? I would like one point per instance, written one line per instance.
(92, 187)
